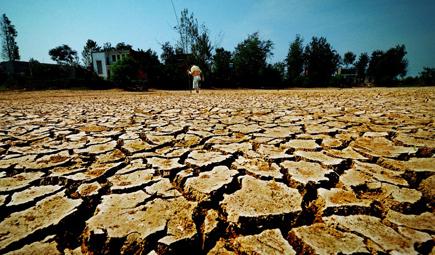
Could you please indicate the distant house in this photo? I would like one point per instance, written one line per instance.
(102, 60)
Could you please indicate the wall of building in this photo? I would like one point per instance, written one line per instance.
(107, 58)
(100, 56)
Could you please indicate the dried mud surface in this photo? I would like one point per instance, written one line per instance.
(331, 171)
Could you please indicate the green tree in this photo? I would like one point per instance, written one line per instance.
(90, 46)
(138, 71)
(202, 51)
(10, 51)
(194, 40)
(427, 76)
(361, 67)
(321, 61)
(148, 65)
(124, 71)
(274, 75)
(385, 67)
(221, 67)
(123, 46)
(295, 60)
(348, 58)
(250, 59)
(64, 55)
(174, 74)
(188, 29)
(107, 46)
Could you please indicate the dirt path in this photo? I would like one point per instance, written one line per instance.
(223, 172)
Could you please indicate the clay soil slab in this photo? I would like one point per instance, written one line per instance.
(18, 181)
(380, 147)
(319, 157)
(424, 221)
(134, 180)
(304, 172)
(204, 186)
(47, 246)
(121, 215)
(371, 227)
(267, 242)
(31, 194)
(206, 158)
(260, 201)
(320, 238)
(258, 167)
(47, 212)
(301, 144)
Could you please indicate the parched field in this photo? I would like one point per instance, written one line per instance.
(220, 172)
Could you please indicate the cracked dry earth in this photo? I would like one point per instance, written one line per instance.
(223, 172)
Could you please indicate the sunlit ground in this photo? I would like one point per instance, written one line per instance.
(222, 171)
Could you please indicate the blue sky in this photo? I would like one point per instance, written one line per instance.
(355, 25)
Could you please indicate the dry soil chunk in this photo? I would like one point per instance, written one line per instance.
(159, 139)
(211, 221)
(137, 179)
(319, 129)
(340, 199)
(405, 195)
(6, 163)
(99, 148)
(380, 147)
(380, 173)
(319, 157)
(427, 187)
(281, 132)
(65, 170)
(164, 165)
(18, 181)
(345, 153)
(163, 188)
(260, 200)
(205, 158)
(47, 212)
(371, 227)
(133, 165)
(245, 129)
(331, 143)
(221, 248)
(320, 238)
(2, 200)
(414, 164)
(301, 144)
(32, 193)
(354, 178)
(272, 152)
(135, 146)
(113, 156)
(204, 186)
(89, 189)
(267, 242)
(258, 167)
(303, 172)
(424, 221)
(413, 141)
(47, 247)
(234, 147)
(51, 160)
(123, 214)
(95, 171)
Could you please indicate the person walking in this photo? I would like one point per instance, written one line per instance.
(197, 76)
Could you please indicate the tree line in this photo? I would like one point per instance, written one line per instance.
(312, 64)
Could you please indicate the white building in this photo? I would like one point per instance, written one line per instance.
(102, 60)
